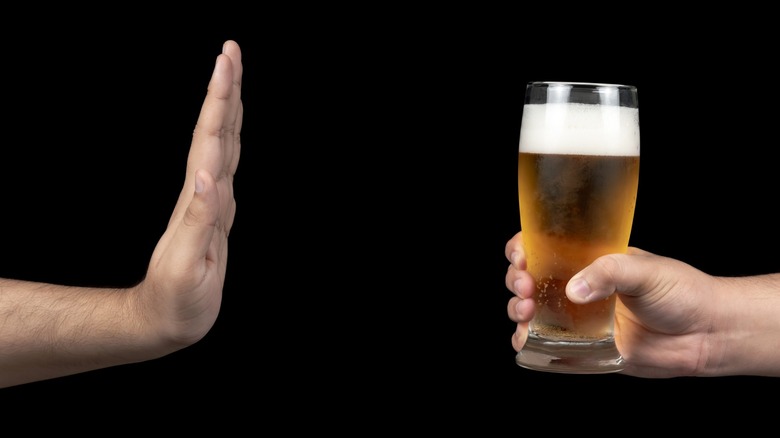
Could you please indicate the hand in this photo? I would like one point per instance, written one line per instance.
(182, 291)
(52, 330)
(665, 312)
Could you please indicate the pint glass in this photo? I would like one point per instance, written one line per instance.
(578, 170)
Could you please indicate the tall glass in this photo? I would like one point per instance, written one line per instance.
(578, 170)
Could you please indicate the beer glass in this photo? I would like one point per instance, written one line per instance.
(578, 171)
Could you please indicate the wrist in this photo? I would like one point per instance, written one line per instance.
(745, 330)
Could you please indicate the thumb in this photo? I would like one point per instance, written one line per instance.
(193, 234)
(630, 274)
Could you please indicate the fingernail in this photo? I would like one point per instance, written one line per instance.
(517, 285)
(198, 183)
(580, 289)
(514, 258)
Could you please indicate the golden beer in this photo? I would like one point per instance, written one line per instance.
(574, 208)
(578, 174)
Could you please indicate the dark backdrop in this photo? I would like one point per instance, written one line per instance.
(376, 191)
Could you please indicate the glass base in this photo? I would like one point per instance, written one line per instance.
(599, 357)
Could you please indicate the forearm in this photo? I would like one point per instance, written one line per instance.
(747, 336)
(49, 331)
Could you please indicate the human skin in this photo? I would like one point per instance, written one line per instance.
(671, 319)
(49, 330)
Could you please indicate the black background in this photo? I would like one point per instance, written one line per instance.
(376, 190)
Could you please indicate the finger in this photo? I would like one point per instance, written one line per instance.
(194, 233)
(514, 252)
(520, 283)
(216, 120)
(629, 273)
(234, 152)
(520, 336)
(520, 310)
(234, 117)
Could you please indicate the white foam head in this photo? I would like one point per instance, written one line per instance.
(581, 129)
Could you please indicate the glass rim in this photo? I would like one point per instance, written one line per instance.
(591, 85)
